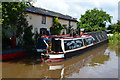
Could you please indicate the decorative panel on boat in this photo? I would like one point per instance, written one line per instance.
(73, 44)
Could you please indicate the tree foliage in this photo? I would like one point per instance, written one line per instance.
(94, 20)
(114, 28)
(56, 28)
(27, 37)
(13, 14)
(14, 22)
(0, 13)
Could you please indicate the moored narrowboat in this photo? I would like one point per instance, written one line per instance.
(61, 47)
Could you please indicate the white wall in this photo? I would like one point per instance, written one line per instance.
(36, 21)
(74, 24)
(64, 22)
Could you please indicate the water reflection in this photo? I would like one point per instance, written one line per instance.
(68, 68)
(73, 66)
(115, 46)
(99, 59)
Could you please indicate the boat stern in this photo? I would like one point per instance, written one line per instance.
(52, 57)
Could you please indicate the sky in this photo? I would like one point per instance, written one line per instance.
(76, 8)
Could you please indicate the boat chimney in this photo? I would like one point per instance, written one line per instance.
(78, 31)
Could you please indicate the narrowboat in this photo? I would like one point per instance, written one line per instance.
(61, 47)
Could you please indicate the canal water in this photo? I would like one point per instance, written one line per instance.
(100, 62)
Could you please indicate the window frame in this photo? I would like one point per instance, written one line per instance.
(43, 19)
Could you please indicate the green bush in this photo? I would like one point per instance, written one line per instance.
(56, 28)
(115, 37)
(27, 37)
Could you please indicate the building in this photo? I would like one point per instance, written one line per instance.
(42, 18)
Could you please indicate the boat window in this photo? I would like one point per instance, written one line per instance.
(73, 44)
(106, 35)
(94, 36)
(102, 36)
(99, 36)
(88, 41)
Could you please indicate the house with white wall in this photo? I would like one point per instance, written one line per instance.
(42, 18)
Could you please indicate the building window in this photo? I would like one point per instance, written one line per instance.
(43, 19)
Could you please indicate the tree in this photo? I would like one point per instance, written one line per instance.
(0, 13)
(114, 28)
(27, 37)
(56, 28)
(14, 22)
(94, 20)
(13, 14)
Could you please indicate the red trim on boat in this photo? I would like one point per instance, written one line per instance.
(68, 38)
(52, 59)
(87, 35)
(12, 55)
(59, 35)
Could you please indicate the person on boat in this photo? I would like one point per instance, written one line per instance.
(74, 33)
(81, 33)
(71, 32)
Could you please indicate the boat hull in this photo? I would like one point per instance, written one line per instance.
(12, 54)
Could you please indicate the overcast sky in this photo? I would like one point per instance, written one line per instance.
(75, 8)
